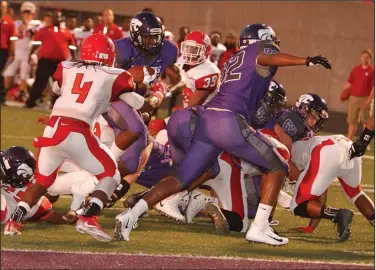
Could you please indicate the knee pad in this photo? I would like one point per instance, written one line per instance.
(234, 220)
(107, 185)
(301, 210)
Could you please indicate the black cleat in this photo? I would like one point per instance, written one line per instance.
(131, 200)
(343, 220)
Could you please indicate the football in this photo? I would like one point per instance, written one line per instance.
(173, 74)
(345, 94)
(138, 73)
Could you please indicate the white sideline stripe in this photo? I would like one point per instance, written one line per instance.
(185, 256)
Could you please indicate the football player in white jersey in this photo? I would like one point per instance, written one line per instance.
(17, 166)
(25, 29)
(85, 89)
(322, 159)
(201, 78)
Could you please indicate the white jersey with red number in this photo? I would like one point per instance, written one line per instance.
(23, 38)
(10, 198)
(86, 91)
(205, 76)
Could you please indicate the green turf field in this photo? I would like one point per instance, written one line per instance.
(158, 235)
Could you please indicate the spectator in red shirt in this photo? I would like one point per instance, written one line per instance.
(232, 47)
(55, 42)
(8, 29)
(109, 28)
(359, 89)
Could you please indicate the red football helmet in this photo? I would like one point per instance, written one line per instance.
(195, 48)
(98, 48)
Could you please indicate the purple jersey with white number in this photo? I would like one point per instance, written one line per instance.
(131, 57)
(243, 83)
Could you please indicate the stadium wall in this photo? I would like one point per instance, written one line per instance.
(338, 30)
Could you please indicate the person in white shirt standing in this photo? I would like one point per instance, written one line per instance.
(25, 29)
(85, 89)
(80, 33)
(217, 48)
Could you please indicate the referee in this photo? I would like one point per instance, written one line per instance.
(54, 43)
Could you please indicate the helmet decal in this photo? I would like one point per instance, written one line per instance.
(135, 24)
(24, 170)
(266, 34)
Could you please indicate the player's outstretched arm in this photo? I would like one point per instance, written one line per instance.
(285, 59)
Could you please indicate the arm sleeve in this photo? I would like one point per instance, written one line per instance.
(267, 48)
(133, 99)
(123, 83)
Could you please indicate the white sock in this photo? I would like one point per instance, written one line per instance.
(116, 151)
(140, 208)
(263, 214)
(25, 206)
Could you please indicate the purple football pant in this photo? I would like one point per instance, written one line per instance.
(180, 128)
(225, 131)
(126, 118)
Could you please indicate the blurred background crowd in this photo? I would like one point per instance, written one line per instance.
(35, 38)
(27, 70)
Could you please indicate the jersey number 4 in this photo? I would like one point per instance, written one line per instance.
(81, 91)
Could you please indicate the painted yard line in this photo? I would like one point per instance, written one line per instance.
(184, 256)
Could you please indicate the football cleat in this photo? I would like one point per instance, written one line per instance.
(220, 221)
(12, 228)
(343, 221)
(91, 226)
(124, 223)
(264, 234)
(169, 207)
(284, 199)
(131, 200)
(196, 203)
(184, 203)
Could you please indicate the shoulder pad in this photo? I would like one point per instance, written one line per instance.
(292, 124)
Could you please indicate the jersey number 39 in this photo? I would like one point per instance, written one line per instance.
(81, 91)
